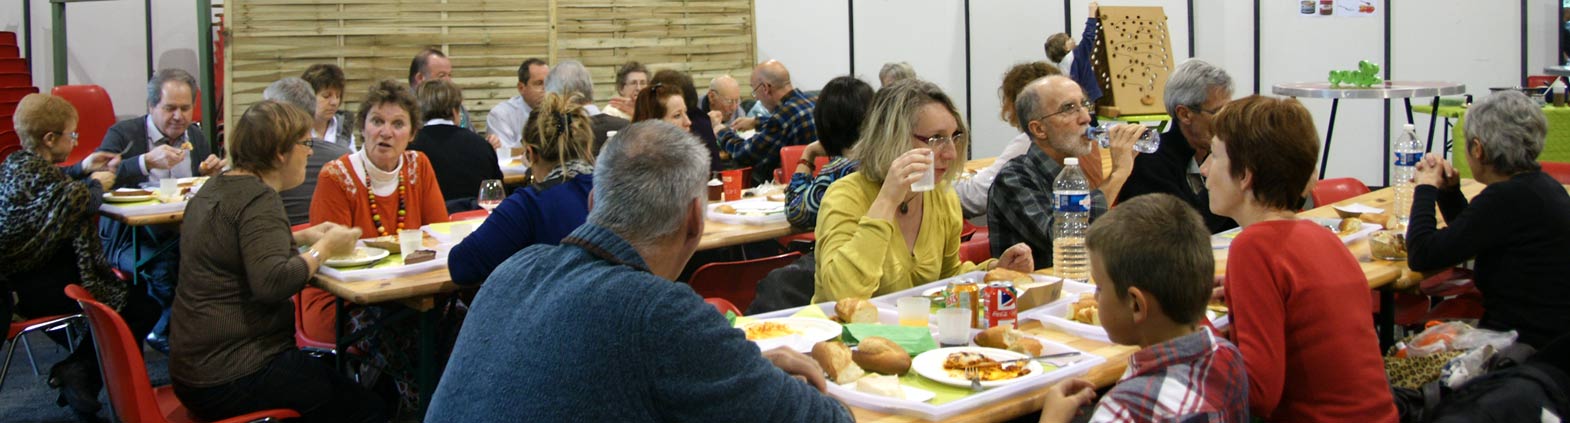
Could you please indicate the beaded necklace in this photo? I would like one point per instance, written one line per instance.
(376, 215)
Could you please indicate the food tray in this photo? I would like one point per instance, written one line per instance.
(1052, 313)
(379, 273)
(746, 204)
(891, 301)
(511, 166)
(141, 208)
(1224, 239)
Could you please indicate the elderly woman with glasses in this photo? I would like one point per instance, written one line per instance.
(876, 234)
(1517, 229)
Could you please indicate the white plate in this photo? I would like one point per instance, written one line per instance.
(808, 332)
(1224, 239)
(911, 394)
(371, 255)
(930, 365)
(128, 198)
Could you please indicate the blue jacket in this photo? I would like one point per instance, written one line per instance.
(1081, 71)
(582, 332)
(529, 216)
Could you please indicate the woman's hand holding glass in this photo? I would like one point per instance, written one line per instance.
(906, 170)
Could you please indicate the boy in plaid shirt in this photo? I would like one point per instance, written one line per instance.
(1152, 265)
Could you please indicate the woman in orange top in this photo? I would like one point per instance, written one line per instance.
(379, 189)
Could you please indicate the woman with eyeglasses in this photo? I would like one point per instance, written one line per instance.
(877, 235)
(232, 347)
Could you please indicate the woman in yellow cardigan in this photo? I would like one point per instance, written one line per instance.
(876, 235)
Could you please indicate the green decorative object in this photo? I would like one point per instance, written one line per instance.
(1366, 75)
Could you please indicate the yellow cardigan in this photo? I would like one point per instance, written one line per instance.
(862, 257)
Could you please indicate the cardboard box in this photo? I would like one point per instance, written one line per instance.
(1036, 294)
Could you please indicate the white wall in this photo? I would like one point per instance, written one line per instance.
(929, 34)
(1002, 33)
(809, 37)
(107, 45)
(1414, 52)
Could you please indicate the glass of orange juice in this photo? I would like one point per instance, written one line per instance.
(913, 310)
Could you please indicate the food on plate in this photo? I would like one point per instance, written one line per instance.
(1349, 226)
(357, 254)
(1389, 245)
(129, 192)
(1005, 275)
(1216, 310)
(881, 385)
(1000, 337)
(1027, 346)
(726, 208)
(768, 330)
(856, 310)
(1084, 310)
(1381, 219)
(186, 146)
(834, 358)
(419, 256)
(880, 355)
(389, 243)
(777, 197)
(987, 369)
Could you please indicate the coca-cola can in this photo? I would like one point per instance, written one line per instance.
(999, 299)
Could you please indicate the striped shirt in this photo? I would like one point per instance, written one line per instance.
(791, 124)
(804, 193)
(1195, 378)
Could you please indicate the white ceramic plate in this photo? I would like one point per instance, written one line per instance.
(362, 256)
(1224, 239)
(128, 198)
(911, 394)
(930, 365)
(808, 332)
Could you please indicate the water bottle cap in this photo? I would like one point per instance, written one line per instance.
(1071, 161)
(1408, 127)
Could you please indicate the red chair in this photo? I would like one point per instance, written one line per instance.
(8, 38)
(7, 149)
(14, 94)
(1559, 170)
(300, 338)
(469, 215)
(95, 114)
(979, 248)
(808, 237)
(17, 334)
(1333, 190)
(300, 227)
(14, 65)
(15, 79)
(131, 395)
(10, 51)
(789, 155)
(736, 281)
(723, 306)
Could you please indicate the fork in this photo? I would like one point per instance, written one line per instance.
(975, 378)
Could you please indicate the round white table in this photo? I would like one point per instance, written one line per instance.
(1386, 90)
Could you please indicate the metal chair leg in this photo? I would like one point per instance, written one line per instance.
(28, 348)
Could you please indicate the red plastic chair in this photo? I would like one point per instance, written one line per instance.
(736, 281)
(469, 215)
(1333, 190)
(131, 394)
(14, 79)
(1559, 170)
(979, 249)
(722, 306)
(95, 114)
(8, 38)
(789, 155)
(299, 227)
(10, 51)
(17, 334)
(14, 65)
(300, 338)
(14, 94)
(7, 149)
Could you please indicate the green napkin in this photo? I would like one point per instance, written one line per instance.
(914, 339)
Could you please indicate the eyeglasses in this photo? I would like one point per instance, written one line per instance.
(73, 135)
(1071, 107)
(755, 88)
(939, 141)
(308, 143)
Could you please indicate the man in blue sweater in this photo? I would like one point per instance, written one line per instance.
(594, 329)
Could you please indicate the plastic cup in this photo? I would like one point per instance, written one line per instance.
(913, 311)
(168, 189)
(954, 327)
(460, 230)
(929, 177)
(409, 241)
(504, 154)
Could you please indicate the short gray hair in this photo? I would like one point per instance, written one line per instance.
(1191, 82)
(1511, 128)
(292, 90)
(155, 86)
(570, 78)
(1028, 104)
(896, 71)
(644, 178)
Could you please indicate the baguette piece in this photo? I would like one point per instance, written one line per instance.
(1000, 337)
(835, 359)
(1027, 346)
(856, 310)
(1006, 275)
(880, 355)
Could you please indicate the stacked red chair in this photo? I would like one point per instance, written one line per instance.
(16, 81)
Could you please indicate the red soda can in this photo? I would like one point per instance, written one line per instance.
(1001, 306)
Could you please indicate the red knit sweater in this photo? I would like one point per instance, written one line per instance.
(1300, 314)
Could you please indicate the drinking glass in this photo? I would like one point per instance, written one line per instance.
(504, 154)
(490, 194)
(929, 177)
(409, 241)
(954, 327)
(913, 311)
(168, 189)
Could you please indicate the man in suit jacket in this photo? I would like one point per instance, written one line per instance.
(164, 143)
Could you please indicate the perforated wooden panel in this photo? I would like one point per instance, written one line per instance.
(1133, 59)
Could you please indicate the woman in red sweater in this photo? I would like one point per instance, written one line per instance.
(1299, 299)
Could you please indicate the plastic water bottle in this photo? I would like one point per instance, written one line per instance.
(1070, 220)
(1408, 152)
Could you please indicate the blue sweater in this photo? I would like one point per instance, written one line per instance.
(569, 333)
(1081, 70)
(528, 217)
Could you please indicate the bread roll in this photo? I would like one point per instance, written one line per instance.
(1027, 346)
(880, 355)
(887, 386)
(1349, 226)
(1006, 275)
(835, 359)
(856, 310)
(1000, 337)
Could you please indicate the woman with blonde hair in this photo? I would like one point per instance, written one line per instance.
(877, 235)
(556, 140)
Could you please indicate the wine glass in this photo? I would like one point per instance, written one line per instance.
(490, 194)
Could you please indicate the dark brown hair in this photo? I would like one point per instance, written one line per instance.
(265, 131)
(422, 60)
(1159, 244)
(389, 91)
(438, 98)
(1015, 81)
(651, 102)
(324, 76)
(627, 68)
(1055, 47)
(1274, 140)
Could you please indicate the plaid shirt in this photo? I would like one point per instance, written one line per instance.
(1020, 205)
(1196, 378)
(806, 191)
(791, 124)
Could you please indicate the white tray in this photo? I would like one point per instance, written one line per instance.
(1053, 314)
(1224, 239)
(358, 275)
(737, 219)
(892, 300)
(143, 210)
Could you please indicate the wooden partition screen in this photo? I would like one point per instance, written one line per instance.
(486, 40)
(1133, 58)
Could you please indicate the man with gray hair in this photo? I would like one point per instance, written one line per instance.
(569, 78)
(1054, 112)
(790, 123)
(894, 72)
(1195, 92)
(723, 102)
(605, 296)
(297, 200)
